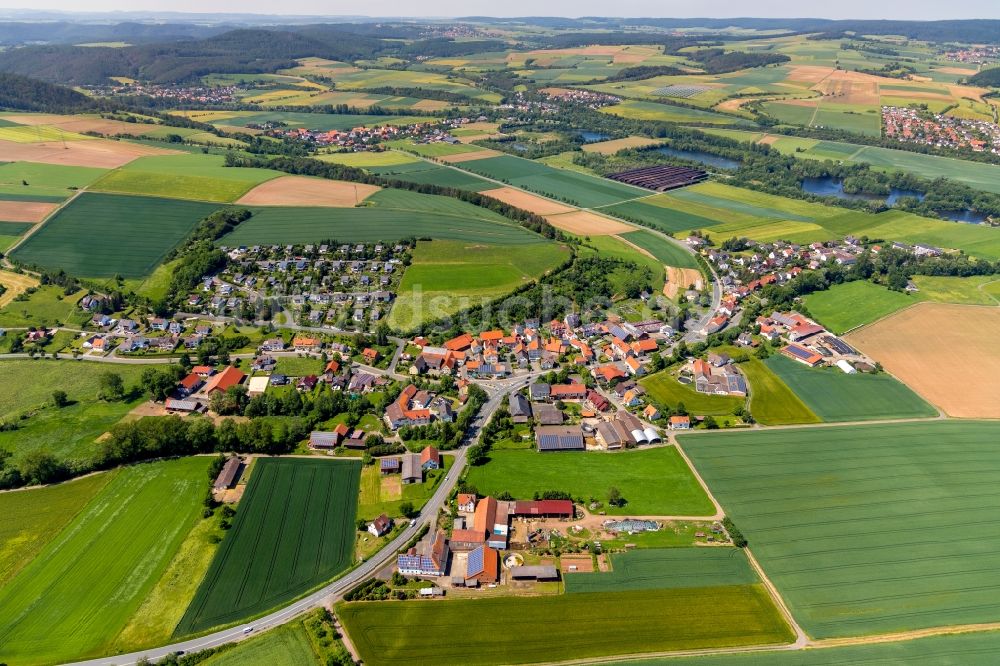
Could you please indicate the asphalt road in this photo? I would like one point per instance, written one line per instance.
(497, 391)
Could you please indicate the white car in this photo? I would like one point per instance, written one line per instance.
(247, 630)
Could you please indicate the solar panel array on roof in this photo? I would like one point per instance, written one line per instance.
(838, 345)
(475, 565)
(801, 352)
(736, 383)
(560, 442)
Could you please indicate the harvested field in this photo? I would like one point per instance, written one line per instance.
(810, 74)
(958, 71)
(16, 284)
(305, 191)
(82, 124)
(528, 201)
(944, 352)
(613, 146)
(102, 153)
(586, 223)
(25, 211)
(468, 157)
(678, 280)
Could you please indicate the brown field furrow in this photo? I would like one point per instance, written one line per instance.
(679, 279)
(586, 223)
(528, 201)
(946, 353)
(468, 157)
(102, 153)
(25, 211)
(305, 191)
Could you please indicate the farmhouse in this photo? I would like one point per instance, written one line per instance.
(680, 422)
(483, 566)
(802, 355)
(380, 526)
(400, 413)
(225, 380)
(434, 562)
(520, 408)
(228, 475)
(718, 380)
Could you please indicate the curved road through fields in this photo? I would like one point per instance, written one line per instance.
(497, 391)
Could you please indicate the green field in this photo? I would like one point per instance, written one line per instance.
(191, 176)
(395, 214)
(367, 160)
(664, 388)
(287, 645)
(46, 182)
(654, 482)
(972, 649)
(435, 174)
(447, 276)
(318, 121)
(845, 306)
(436, 149)
(47, 306)
(667, 568)
(607, 623)
(71, 601)
(866, 529)
(294, 530)
(851, 118)
(663, 218)
(670, 253)
(32, 518)
(835, 396)
(771, 401)
(562, 184)
(974, 290)
(636, 110)
(101, 235)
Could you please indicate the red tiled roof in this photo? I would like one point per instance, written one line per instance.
(226, 379)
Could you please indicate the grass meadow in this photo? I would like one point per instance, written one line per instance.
(287, 645)
(667, 568)
(593, 625)
(101, 235)
(294, 530)
(47, 306)
(835, 396)
(45, 182)
(771, 401)
(446, 276)
(32, 518)
(191, 176)
(71, 601)
(866, 529)
(654, 482)
(664, 388)
(638, 110)
(973, 290)
(845, 306)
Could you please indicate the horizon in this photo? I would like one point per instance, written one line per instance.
(856, 10)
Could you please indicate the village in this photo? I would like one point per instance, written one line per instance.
(941, 131)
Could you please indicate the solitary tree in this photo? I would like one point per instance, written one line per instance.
(59, 398)
(110, 386)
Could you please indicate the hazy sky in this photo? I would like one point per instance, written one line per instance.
(888, 9)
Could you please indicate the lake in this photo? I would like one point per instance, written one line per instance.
(591, 137)
(700, 156)
(828, 186)
(967, 216)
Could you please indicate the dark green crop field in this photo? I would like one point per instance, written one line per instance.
(867, 529)
(294, 530)
(395, 214)
(102, 235)
(571, 626)
(667, 568)
(572, 186)
(661, 217)
(835, 396)
(665, 251)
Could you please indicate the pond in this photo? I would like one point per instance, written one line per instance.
(968, 216)
(700, 156)
(827, 186)
(591, 137)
